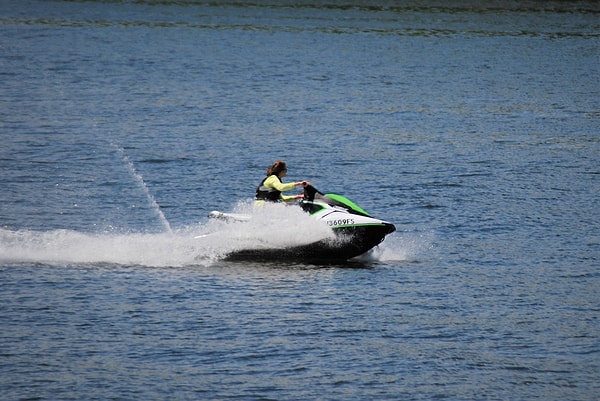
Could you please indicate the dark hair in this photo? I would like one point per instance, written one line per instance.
(277, 168)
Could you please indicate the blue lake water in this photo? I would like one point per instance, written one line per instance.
(474, 129)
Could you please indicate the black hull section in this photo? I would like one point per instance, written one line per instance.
(349, 243)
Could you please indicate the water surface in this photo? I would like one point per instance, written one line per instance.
(474, 129)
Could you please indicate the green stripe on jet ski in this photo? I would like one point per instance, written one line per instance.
(347, 202)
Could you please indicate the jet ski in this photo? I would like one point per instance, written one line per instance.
(355, 231)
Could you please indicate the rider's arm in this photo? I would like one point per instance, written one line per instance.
(289, 198)
(273, 182)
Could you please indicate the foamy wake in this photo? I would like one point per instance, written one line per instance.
(65, 247)
(277, 226)
(402, 247)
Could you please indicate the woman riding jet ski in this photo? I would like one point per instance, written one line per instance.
(355, 231)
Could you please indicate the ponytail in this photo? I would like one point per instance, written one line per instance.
(276, 168)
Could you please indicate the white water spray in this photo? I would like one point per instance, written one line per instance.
(140, 180)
